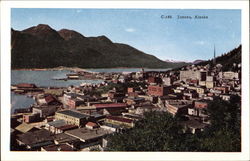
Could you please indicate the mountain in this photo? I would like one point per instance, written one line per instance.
(197, 61)
(176, 61)
(43, 47)
(227, 60)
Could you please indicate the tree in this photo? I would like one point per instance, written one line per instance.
(160, 131)
(224, 134)
(156, 132)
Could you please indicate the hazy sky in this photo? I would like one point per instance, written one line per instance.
(145, 29)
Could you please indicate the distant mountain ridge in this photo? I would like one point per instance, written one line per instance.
(43, 47)
(198, 61)
(187, 62)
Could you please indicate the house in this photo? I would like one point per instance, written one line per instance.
(199, 109)
(68, 96)
(91, 125)
(168, 81)
(51, 100)
(47, 99)
(72, 117)
(225, 97)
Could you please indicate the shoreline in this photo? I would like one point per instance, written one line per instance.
(78, 69)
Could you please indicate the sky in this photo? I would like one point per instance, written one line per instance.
(148, 30)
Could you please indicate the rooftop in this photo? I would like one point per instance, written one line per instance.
(67, 127)
(120, 119)
(92, 124)
(111, 105)
(73, 114)
(35, 137)
(59, 147)
(24, 127)
(86, 134)
(57, 123)
(65, 138)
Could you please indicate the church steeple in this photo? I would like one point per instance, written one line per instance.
(214, 60)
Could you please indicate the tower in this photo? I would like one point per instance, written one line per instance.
(214, 60)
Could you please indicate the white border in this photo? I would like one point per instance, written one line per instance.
(5, 81)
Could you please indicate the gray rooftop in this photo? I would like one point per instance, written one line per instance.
(57, 123)
(85, 134)
(64, 138)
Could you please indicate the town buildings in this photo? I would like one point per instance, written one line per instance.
(80, 118)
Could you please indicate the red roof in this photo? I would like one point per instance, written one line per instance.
(120, 119)
(92, 124)
(49, 99)
(111, 105)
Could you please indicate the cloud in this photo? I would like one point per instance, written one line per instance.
(199, 42)
(130, 30)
